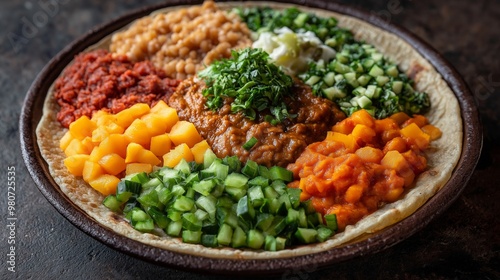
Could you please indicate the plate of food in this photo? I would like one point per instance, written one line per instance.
(249, 136)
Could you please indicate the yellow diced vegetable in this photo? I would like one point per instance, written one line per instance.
(138, 132)
(199, 150)
(113, 164)
(75, 164)
(133, 168)
(115, 143)
(127, 116)
(82, 127)
(65, 140)
(172, 158)
(184, 132)
(105, 184)
(160, 144)
(91, 170)
(75, 147)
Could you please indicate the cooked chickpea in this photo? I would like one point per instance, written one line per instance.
(182, 42)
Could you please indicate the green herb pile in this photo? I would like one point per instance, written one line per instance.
(359, 77)
(252, 80)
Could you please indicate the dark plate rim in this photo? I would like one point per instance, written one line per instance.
(472, 144)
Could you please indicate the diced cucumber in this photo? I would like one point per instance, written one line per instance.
(174, 228)
(255, 239)
(183, 204)
(306, 235)
(256, 196)
(333, 93)
(208, 158)
(323, 234)
(392, 71)
(351, 79)
(363, 80)
(239, 238)
(225, 235)
(208, 203)
(313, 80)
(376, 71)
(189, 236)
(331, 221)
(204, 187)
(329, 79)
(270, 243)
(209, 240)
(112, 203)
(397, 86)
(382, 80)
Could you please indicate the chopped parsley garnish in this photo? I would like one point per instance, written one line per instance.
(254, 83)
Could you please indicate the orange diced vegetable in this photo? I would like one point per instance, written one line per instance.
(395, 144)
(184, 132)
(400, 118)
(370, 154)
(65, 140)
(413, 132)
(363, 117)
(160, 144)
(105, 184)
(75, 147)
(133, 168)
(113, 164)
(91, 170)
(199, 150)
(138, 132)
(75, 164)
(363, 133)
(82, 127)
(172, 158)
(347, 140)
(127, 116)
(115, 143)
(432, 131)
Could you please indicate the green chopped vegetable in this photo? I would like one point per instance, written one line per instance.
(255, 85)
(359, 77)
(250, 143)
(222, 204)
(263, 19)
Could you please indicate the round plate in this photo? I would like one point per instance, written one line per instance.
(32, 113)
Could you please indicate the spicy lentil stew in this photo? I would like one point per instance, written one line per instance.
(442, 157)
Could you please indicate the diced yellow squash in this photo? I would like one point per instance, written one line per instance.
(138, 133)
(399, 118)
(96, 154)
(159, 106)
(199, 150)
(345, 126)
(160, 144)
(414, 132)
(370, 154)
(113, 164)
(115, 143)
(75, 147)
(113, 128)
(168, 116)
(99, 134)
(133, 168)
(88, 144)
(184, 132)
(137, 153)
(100, 116)
(105, 184)
(395, 160)
(172, 158)
(363, 117)
(82, 127)
(363, 133)
(432, 131)
(133, 152)
(91, 170)
(75, 164)
(127, 116)
(348, 140)
(65, 140)
(155, 123)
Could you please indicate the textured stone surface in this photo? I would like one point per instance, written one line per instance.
(463, 243)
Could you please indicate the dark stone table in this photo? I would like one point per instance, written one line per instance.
(463, 243)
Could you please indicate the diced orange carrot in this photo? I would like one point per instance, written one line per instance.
(400, 118)
(363, 133)
(347, 140)
(138, 132)
(363, 117)
(395, 144)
